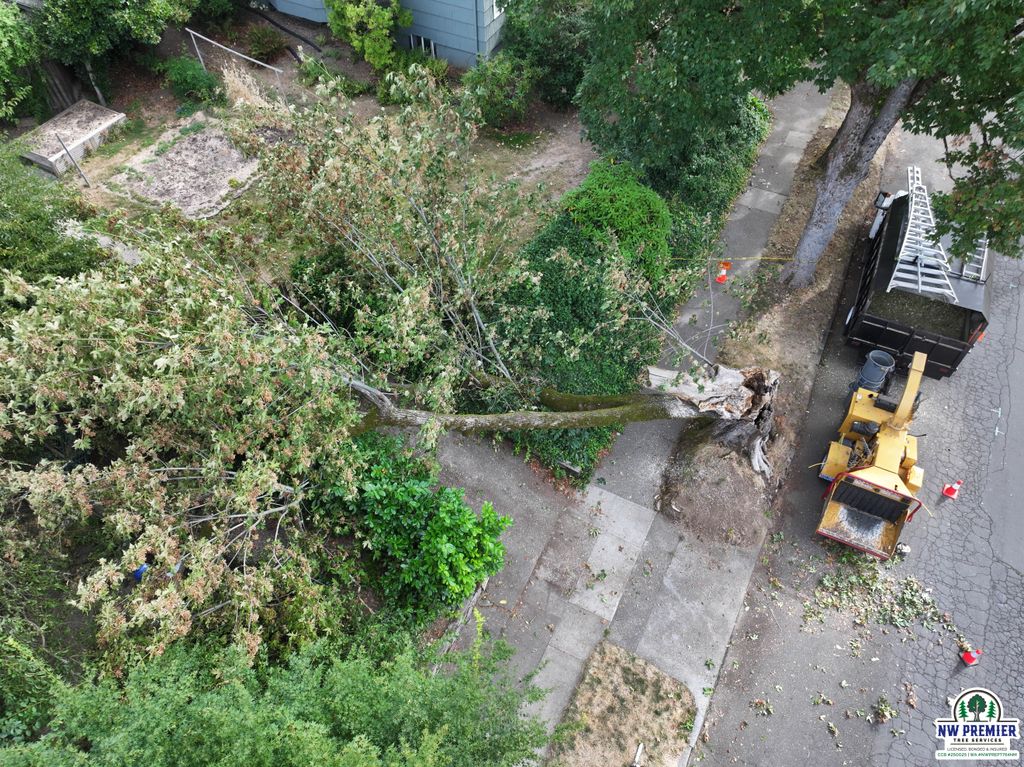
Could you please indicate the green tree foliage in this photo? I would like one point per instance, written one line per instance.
(404, 258)
(150, 401)
(654, 90)
(662, 75)
(28, 689)
(585, 303)
(76, 31)
(369, 26)
(431, 548)
(180, 412)
(552, 36)
(216, 11)
(18, 49)
(578, 323)
(612, 201)
(34, 212)
(499, 88)
(194, 707)
(945, 68)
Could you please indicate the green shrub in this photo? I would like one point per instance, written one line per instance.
(19, 48)
(27, 690)
(437, 67)
(33, 214)
(315, 73)
(195, 706)
(369, 26)
(215, 11)
(500, 88)
(670, 240)
(189, 81)
(595, 352)
(612, 199)
(266, 43)
(552, 36)
(430, 548)
(387, 93)
(718, 167)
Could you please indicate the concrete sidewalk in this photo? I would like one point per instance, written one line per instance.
(604, 564)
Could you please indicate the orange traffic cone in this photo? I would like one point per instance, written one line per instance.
(723, 271)
(952, 491)
(971, 657)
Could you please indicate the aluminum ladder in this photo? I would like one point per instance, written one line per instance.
(921, 266)
(974, 267)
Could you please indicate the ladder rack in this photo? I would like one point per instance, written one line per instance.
(921, 266)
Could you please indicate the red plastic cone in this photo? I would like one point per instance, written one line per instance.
(952, 491)
(723, 271)
(971, 657)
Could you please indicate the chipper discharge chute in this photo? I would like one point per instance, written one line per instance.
(873, 469)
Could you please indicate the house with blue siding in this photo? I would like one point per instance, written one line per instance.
(456, 30)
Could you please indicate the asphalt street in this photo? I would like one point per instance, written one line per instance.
(820, 679)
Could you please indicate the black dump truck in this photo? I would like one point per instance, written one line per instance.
(911, 297)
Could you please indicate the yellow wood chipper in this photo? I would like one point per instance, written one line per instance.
(872, 470)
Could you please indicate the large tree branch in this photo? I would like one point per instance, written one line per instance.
(741, 399)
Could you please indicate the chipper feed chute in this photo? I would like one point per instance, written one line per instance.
(865, 516)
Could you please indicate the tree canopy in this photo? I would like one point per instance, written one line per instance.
(18, 48)
(189, 411)
(197, 706)
(79, 31)
(659, 80)
(951, 69)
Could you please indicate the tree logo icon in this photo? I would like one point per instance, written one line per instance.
(977, 728)
(978, 708)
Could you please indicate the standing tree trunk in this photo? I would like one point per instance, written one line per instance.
(872, 115)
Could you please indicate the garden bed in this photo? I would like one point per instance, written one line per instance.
(194, 167)
(81, 127)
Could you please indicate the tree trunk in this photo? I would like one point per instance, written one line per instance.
(872, 115)
(741, 399)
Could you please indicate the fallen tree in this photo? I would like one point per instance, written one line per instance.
(188, 414)
(188, 411)
(742, 400)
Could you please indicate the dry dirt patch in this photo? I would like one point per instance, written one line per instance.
(624, 701)
(714, 493)
(558, 156)
(194, 167)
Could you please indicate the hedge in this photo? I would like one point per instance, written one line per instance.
(670, 240)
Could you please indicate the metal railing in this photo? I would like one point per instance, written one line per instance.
(193, 34)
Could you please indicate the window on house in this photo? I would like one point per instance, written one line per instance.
(425, 44)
